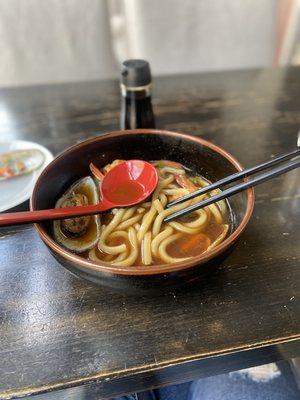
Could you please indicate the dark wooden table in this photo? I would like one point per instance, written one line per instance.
(57, 332)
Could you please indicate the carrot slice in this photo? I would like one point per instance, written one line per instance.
(185, 183)
(96, 172)
(192, 242)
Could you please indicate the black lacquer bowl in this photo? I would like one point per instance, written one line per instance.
(204, 157)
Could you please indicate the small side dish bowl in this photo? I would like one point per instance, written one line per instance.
(205, 158)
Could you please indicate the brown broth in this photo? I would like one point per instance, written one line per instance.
(177, 248)
(211, 231)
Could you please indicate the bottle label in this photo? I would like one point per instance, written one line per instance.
(125, 89)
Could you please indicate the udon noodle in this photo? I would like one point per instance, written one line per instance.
(139, 236)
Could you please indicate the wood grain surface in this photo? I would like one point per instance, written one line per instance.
(59, 332)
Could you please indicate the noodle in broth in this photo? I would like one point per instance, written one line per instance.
(138, 235)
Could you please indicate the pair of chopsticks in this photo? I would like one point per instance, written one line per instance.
(237, 188)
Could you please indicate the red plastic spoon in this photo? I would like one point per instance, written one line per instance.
(124, 185)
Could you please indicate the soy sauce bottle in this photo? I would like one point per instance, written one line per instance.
(136, 106)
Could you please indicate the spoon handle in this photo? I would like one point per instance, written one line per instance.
(28, 217)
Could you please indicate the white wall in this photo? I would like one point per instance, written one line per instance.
(44, 41)
(198, 35)
(54, 41)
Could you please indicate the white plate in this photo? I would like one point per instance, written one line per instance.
(15, 191)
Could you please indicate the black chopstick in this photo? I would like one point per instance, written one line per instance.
(236, 189)
(236, 176)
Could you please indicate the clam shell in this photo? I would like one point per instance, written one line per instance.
(19, 162)
(89, 239)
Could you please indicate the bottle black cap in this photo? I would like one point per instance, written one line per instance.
(135, 73)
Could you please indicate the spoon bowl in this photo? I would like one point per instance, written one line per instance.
(128, 183)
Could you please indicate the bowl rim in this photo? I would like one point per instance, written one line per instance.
(142, 270)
